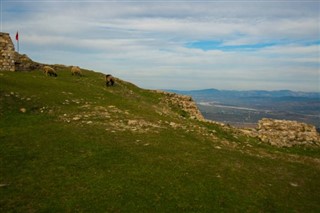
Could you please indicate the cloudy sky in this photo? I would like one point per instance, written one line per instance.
(162, 44)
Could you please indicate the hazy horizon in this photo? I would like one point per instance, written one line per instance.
(277, 90)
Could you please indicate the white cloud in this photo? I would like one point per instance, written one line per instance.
(146, 41)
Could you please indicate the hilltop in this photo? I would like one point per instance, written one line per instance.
(72, 144)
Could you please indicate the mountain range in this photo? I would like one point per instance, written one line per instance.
(223, 94)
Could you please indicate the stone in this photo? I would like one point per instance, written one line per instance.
(76, 118)
(185, 103)
(284, 133)
(173, 124)
(23, 110)
(6, 52)
(132, 122)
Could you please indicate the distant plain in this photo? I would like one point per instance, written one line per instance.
(246, 108)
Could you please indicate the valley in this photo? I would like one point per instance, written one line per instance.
(246, 108)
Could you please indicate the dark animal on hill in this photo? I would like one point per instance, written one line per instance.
(49, 71)
(75, 70)
(110, 80)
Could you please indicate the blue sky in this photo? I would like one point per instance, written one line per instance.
(239, 45)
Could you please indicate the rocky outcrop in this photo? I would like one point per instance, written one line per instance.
(24, 63)
(185, 103)
(284, 133)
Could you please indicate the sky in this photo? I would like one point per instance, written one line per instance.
(179, 44)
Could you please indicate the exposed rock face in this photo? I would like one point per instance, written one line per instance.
(283, 133)
(185, 103)
(24, 63)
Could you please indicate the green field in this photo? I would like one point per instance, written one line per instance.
(71, 144)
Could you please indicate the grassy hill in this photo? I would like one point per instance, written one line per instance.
(70, 144)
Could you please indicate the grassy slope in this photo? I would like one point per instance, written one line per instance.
(83, 147)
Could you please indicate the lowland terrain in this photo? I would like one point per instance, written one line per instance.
(71, 144)
(246, 108)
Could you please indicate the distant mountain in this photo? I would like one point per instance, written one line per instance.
(226, 94)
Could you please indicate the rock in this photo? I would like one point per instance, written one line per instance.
(284, 133)
(132, 122)
(76, 118)
(185, 103)
(173, 124)
(23, 110)
(23, 63)
(3, 185)
(6, 53)
(294, 184)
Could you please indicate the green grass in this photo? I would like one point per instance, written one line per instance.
(53, 163)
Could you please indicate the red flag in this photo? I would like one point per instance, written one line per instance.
(17, 36)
